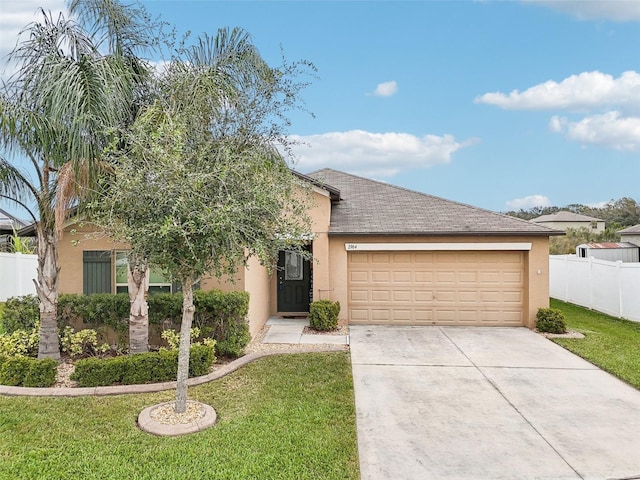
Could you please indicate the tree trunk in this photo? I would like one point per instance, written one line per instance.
(47, 288)
(138, 283)
(185, 344)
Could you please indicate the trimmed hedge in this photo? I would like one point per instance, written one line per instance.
(27, 372)
(323, 315)
(20, 313)
(153, 367)
(220, 315)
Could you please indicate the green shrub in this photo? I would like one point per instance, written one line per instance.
(550, 320)
(223, 316)
(81, 343)
(2, 330)
(21, 343)
(161, 366)
(220, 315)
(20, 313)
(95, 310)
(27, 372)
(165, 307)
(323, 315)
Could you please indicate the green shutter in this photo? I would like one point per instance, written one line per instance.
(96, 271)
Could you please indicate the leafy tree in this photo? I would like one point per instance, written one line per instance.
(202, 185)
(73, 85)
(567, 243)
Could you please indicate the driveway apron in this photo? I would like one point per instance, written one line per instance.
(487, 403)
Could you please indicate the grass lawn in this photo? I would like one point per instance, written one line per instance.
(610, 343)
(282, 417)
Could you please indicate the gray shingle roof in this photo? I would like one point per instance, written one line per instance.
(564, 216)
(372, 207)
(634, 229)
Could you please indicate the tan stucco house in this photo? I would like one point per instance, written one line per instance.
(631, 235)
(389, 256)
(564, 220)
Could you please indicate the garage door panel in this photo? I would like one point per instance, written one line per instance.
(401, 277)
(380, 258)
(359, 296)
(402, 258)
(423, 277)
(380, 296)
(462, 288)
(401, 296)
(380, 276)
(423, 296)
(468, 297)
(358, 277)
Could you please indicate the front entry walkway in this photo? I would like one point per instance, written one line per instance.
(487, 403)
(292, 331)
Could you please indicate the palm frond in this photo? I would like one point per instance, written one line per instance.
(124, 29)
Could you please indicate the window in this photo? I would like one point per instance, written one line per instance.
(96, 271)
(594, 225)
(158, 283)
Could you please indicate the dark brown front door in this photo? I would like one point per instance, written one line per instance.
(294, 282)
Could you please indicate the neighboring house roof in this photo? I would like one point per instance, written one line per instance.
(634, 229)
(564, 216)
(9, 223)
(608, 245)
(370, 207)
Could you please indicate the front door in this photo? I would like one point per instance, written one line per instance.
(294, 282)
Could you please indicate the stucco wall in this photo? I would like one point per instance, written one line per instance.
(258, 285)
(76, 239)
(536, 266)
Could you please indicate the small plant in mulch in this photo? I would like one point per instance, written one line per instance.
(550, 320)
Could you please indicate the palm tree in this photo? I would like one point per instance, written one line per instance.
(59, 111)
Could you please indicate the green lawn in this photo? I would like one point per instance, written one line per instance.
(610, 343)
(282, 417)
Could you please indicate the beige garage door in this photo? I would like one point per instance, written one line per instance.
(436, 288)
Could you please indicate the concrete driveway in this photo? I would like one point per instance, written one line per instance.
(479, 403)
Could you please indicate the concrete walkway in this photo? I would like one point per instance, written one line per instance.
(291, 330)
(487, 403)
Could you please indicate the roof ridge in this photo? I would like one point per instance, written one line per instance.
(431, 196)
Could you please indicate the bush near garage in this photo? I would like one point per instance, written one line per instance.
(323, 315)
(550, 320)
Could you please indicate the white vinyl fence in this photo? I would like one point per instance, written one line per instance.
(609, 287)
(17, 272)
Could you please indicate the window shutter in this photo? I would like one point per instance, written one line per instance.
(96, 271)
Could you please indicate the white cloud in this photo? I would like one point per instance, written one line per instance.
(374, 154)
(529, 202)
(14, 17)
(610, 129)
(617, 10)
(386, 89)
(577, 92)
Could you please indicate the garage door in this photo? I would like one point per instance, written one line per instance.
(436, 288)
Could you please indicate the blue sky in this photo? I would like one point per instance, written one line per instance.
(502, 105)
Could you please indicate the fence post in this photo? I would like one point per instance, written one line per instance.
(566, 278)
(591, 283)
(619, 282)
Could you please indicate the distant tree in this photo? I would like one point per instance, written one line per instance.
(566, 244)
(202, 186)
